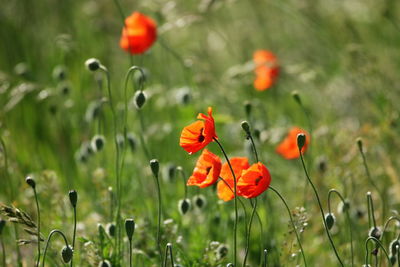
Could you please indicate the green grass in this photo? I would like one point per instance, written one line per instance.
(342, 58)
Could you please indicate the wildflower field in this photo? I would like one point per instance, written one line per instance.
(199, 133)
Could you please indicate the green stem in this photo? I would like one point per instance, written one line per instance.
(377, 242)
(371, 210)
(73, 238)
(235, 202)
(143, 143)
(171, 256)
(249, 230)
(180, 169)
(292, 222)
(334, 191)
(265, 258)
(117, 160)
(38, 226)
(48, 242)
(320, 208)
(159, 216)
(130, 252)
(3, 248)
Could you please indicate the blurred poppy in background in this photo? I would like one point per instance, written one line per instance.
(288, 147)
(138, 34)
(207, 170)
(266, 69)
(198, 134)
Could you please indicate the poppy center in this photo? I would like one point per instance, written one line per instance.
(201, 136)
(208, 169)
(258, 180)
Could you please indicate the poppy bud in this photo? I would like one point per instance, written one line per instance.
(155, 166)
(392, 259)
(59, 73)
(140, 99)
(132, 141)
(301, 140)
(98, 142)
(222, 251)
(296, 97)
(66, 253)
(257, 133)
(30, 181)
(375, 232)
(104, 263)
(247, 108)
(63, 88)
(92, 64)
(185, 97)
(170, 171)
(73, 197)
(246, 127)
(184, 206)
(343, 207)
(199, 201)
(111, 229)
(330, 220)
(2, 225)
(229, 265)
(360, 143)
(394, 246)
(129, 228)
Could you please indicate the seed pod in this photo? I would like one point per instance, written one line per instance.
(132, 141)
(66, 253)
(184, 206)
(330, 220)
(375, 232)
(98, 142)
(59, 73)
(129, 228)
(111, 228)
(92, 64)
(199, 201)
(30, 181)
(73, 197)
(301, 140)
(139, 99)
(104, 263)
(246, 127)
(2, 225)
(155, 167)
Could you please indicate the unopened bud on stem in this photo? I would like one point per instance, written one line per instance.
(129, 228)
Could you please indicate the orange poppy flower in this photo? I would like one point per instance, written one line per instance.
(254, 181)
(207, 170)
(266, 69)
(139, 33)
(225, 188)
(288, 147)
(198, 134)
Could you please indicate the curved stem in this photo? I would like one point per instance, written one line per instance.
(48, 242)
(392, 218)
(38, 226)
(249, 230)
(292, 222)
(377, 242)
(73, 238)
(117, 160)
(235, 202)
(334, 191)
(250, 137)
(320, 208)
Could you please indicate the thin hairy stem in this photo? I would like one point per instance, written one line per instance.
(38, 226)
(254, 205)
(73, 238)
(320, 208)
(235, 202)
(334, 191)
(158, 237)
(48, 242)
(378, 243)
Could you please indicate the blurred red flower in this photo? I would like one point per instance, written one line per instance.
(198, 134)
(266, 69)
(138, 34)
(288, 147)
(207, 170)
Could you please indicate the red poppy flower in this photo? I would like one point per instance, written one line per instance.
(254, 181)
(207, 170)
(225, 188)
(139, 33)
(266, 69)
(198, 134)
(288, 147)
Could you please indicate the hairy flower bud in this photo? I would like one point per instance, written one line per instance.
(330, 220)
(301, 140)
(129, 228)
(246, 127)
(66, 253)
(111, 229)
(184, 206)
(155, 167)
(73, 197)
(30, 181)
(104, 263)
(139, 99)
(98, 142)
(92, 64)
(296, 97)
(199, 201)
